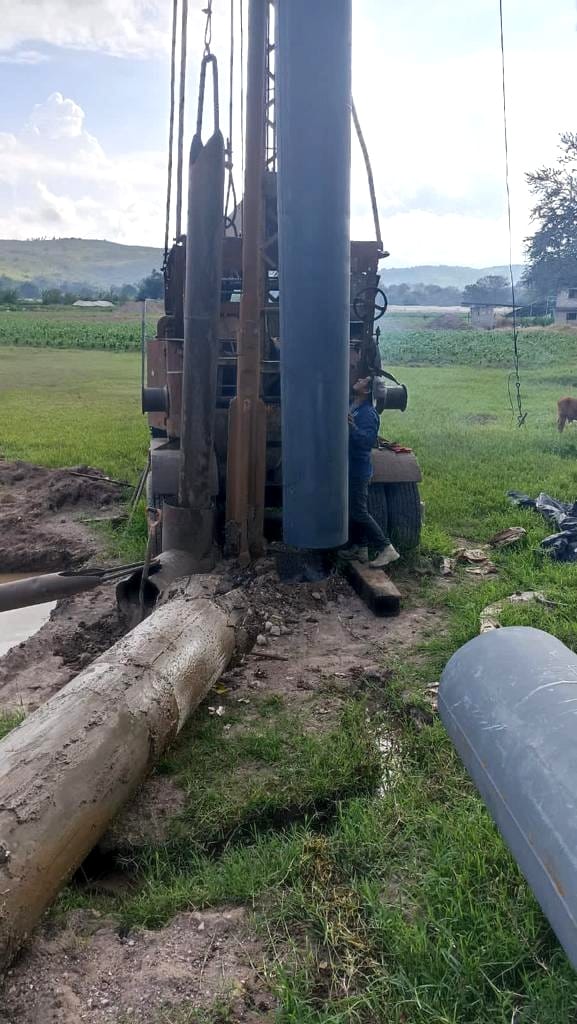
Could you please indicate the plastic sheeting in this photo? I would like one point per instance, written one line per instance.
(562, 546)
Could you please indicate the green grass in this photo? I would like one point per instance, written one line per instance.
(8, 722)
(70, 408)
(403, 907)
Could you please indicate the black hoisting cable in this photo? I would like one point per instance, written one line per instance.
(230, 204)
(521, 415)
(370, 179)
(182, 91)
(171, 128)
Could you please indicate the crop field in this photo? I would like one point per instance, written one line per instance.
(466, 347)
(118, 330)
(401, 906)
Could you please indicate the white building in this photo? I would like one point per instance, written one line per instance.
(100, 303)
(566, 307)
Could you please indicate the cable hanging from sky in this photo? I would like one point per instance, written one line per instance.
(521, 415)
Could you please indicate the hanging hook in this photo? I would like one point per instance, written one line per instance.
(208, 28)
(206, 60)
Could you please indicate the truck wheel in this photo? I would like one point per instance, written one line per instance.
(377, 505)
(404, 510)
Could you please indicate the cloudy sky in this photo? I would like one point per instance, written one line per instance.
(84, 103)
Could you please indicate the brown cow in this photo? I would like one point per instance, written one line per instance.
(566, 412)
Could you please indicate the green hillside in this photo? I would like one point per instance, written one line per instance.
(58, 261)
(444, 276)
(76, 260)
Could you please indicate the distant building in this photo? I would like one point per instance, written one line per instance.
(484, 314)
(566, 307)
(102, 303)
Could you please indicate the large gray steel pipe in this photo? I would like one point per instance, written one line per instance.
(313, 76)
(508, 700)
(69, 768)
(191, 525)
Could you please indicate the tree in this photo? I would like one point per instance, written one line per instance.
(552, 250)
(493, 289)
(151, 287)
(51, 297)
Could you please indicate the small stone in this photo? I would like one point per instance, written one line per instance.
(284, 631)
(316, 596)
(261, 640)
(268, 627)
(275, 630)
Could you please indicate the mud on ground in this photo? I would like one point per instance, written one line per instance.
(43, 528)
(88, 971)
(40, 510)
(313, 644)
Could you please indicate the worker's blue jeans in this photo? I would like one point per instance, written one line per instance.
(363, 529)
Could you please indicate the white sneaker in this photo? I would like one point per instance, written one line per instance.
(385, 557)
(355, 554)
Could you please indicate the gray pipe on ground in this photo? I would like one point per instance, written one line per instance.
(508, 700)
(69, 768)
(54, 586)
(313, 79)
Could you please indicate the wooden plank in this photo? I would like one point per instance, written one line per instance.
(375, 588)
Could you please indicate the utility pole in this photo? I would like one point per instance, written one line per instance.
(246, 470)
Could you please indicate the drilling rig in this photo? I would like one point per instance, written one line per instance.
(270, 313)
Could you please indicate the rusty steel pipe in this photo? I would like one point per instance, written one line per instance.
(42, 589)
(196, 505)
(54, 586)
(70, 767)
(246, 470)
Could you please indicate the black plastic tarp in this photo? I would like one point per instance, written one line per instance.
(562, 545)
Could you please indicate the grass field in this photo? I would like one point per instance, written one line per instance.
(403, 907)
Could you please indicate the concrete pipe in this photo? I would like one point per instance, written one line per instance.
(69, 768)
(508, 700)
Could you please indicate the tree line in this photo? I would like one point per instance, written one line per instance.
(13, 293)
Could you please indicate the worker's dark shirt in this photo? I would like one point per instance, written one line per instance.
(362, 439)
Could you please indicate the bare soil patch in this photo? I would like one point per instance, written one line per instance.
(87, 971)
(41, 530)
(39, 513)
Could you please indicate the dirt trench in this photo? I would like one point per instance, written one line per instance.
(313, 644)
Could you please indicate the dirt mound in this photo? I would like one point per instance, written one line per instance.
(88, 971)
(448, 322)
(38, 508)
(80, 628)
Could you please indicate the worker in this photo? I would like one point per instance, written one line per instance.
(364, 531)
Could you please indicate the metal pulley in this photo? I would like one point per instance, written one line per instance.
(389, 393)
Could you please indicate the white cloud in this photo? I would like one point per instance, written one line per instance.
(120, 27)
(22, 56)
(435, 132)
(60, 181)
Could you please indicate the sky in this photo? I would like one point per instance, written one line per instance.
(84, 90)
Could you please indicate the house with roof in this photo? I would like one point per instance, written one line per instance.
(566, 307)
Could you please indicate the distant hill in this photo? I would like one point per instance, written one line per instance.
(444, 276)
(61, 261)
(102, 264)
